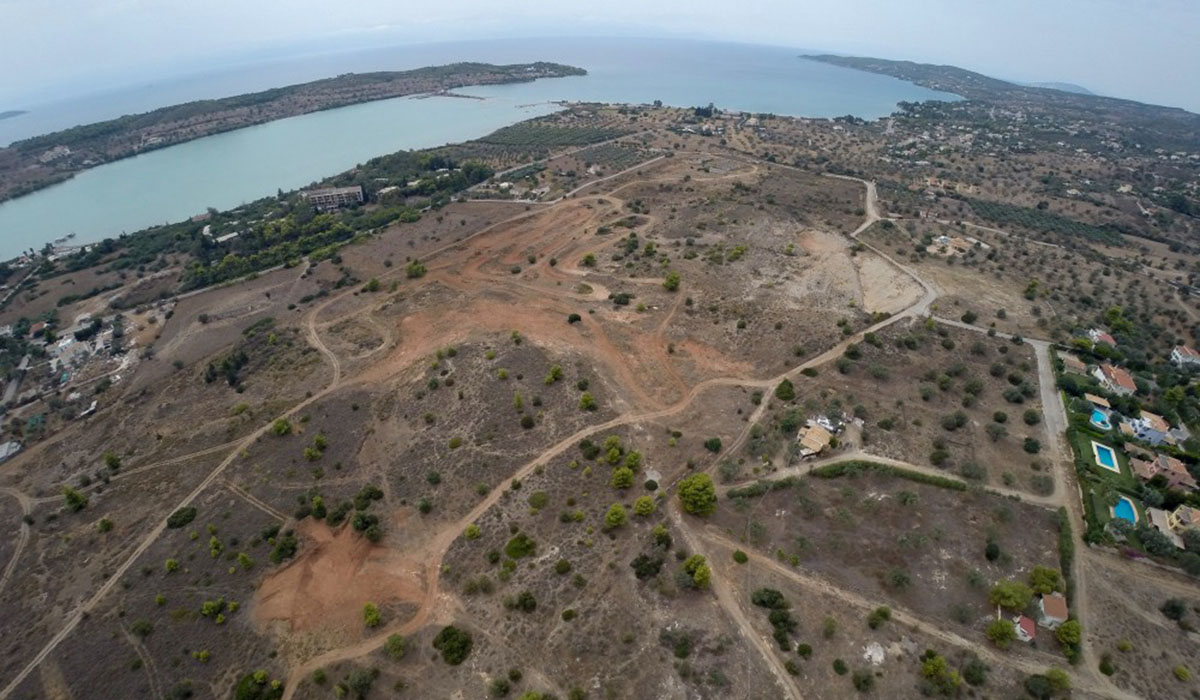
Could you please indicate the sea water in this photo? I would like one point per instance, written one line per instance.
(232, 168)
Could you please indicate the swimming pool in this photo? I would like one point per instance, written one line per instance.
(1125, 510)
(1105, 457)
(1100, 419)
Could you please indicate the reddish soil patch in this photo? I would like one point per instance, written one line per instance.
(328, 584)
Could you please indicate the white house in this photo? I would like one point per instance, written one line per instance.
(1150, 427)
(1052, 610)
(1184, 356)
(1115, 380)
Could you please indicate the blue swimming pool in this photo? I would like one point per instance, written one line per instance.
(1125, 510)
(1100, 419)
(1105, 457)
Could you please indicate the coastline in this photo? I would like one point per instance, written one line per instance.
(87, 151)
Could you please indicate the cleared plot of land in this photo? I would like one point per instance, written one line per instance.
(912, 545)
(1030, 288)
(1131, 632)
(932, 395)
(829, 629)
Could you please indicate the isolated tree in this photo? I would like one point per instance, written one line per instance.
(671, 283)
(937, 673)
(1010, 595)
(75, 501)
(615, 517)
(454, 643)
(785, 391)
(1001, 632)
(698, 495)
(697, 567)
(396, 647)
(1174, 609)
(1070, 633)
(1044, 579)
(371, 615)
(1059, 680)
(622, 477)
(643, 506)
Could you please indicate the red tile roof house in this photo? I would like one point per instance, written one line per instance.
(1098, 336)
(1183, 355)
(1052, 610)
(1025, 627)
(1176, 474)
(1073, 364)
(1115, 379)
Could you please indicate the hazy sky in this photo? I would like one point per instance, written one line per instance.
(1141, 49)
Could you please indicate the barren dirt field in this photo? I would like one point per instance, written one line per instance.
(458, 459)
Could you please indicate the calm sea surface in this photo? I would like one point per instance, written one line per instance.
(228, 169)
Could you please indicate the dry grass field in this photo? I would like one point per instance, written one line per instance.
(488, 425)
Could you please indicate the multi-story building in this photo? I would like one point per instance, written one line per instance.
(334, 197)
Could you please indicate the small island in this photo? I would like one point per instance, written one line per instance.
(12, 113)
(35, 163)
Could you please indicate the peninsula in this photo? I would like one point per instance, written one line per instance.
(38, 162)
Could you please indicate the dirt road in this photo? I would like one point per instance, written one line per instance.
(433, 553)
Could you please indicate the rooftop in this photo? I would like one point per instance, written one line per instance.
(1155, 421)
(1186, 351)
(1119, 377)
(1055, 605)
(814, 438)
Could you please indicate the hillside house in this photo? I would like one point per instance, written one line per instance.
(1025, 627)
(1098, 336)
(1074, 365)
(1115, 380)
(1173, 470)
(1149, 427)
(1161, 520)
(1052, 610)
(1184, 356)
(1183, 517)
(813, 439)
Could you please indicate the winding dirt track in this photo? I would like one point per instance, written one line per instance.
(22, 538)
(434, 552)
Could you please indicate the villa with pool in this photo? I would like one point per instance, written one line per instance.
(1101, 417)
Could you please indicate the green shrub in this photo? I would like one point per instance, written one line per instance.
(520, 546)
(454, 643)
(181, 517)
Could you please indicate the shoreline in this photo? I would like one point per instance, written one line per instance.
(176, 122)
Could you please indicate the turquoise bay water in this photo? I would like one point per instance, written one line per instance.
(228, 169)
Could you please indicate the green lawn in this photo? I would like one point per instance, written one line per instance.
(1081, 443)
